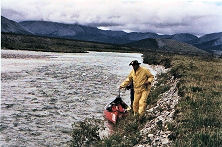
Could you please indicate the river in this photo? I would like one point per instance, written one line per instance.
(42, 94)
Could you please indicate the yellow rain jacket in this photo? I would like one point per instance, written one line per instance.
(142, 80)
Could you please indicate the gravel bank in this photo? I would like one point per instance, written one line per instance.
(156, 131)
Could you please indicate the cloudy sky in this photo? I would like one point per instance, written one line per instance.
(160, 16)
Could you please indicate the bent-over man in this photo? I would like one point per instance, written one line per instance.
(142, 79)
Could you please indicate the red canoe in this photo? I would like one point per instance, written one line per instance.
(115, 110)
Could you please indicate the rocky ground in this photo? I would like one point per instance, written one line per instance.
(156, 132)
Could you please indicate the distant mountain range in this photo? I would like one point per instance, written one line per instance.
(207, 42)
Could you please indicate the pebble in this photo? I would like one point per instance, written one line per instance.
(150, 135)
(165, 141)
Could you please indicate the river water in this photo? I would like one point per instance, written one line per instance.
(42, 94)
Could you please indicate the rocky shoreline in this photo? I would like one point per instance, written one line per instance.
(156, 132)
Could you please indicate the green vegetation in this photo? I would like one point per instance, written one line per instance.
(198, 114)
(46, 44)
(85, 133)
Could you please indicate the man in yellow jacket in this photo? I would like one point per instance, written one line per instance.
(142, 79)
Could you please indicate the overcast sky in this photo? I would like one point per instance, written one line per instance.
(160, 16)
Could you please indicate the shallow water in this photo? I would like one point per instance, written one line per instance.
(42, 97)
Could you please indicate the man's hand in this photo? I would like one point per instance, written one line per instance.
(147, 84)
(121, 87)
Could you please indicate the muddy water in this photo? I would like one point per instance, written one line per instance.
(41, 97)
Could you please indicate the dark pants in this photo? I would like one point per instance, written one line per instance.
(132, 96)
(130, 87)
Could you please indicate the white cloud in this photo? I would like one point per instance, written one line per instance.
(161, 16)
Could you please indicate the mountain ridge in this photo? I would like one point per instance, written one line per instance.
(208, 42)
(11, 26)
(166, 45)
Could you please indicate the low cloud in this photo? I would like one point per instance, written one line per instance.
(160, 16)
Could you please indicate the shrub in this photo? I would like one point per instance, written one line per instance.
(85, 133)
